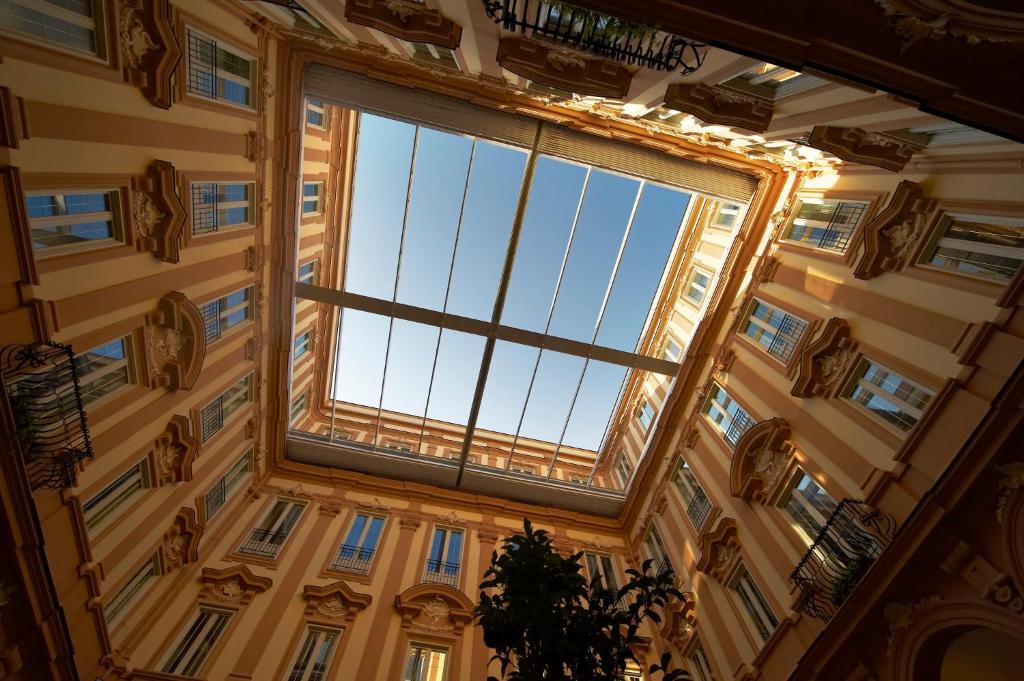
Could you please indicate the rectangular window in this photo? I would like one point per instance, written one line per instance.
(888, 395)
(671, 350)
(113, 499)
(777, 332)
(266, 539)
(69, 24)
(725, 215)
(825, 224)
(698, 505)
(992, 248)
(217, 206)
(312, 198)
(575, 479)
(399, 446)
(213, 415)
(426, 663)
(105, 370)
(227, 312)
(809, 506)
(445, 557)
(314, 655)
(773, 82)
(217, 71)
(229, 483)
(523, 469)
(307, 272)
(655, 549)
(303, 342)
(133, 589)
(759, 614)
(697, 286)
(623, 469)
(196, 642)
(729, 417)
(603, 566)
(299, 406)
(315, 113)
(61, 221)
(645, 414)
(357, 551)
(700, 665)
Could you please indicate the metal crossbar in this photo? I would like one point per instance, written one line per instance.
(353, 559)
(786, 337)
(840, 227)
(699, 509)
(739, 424)
(264, 543)
(440, 572)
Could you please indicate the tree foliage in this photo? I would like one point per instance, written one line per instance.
(545, 620)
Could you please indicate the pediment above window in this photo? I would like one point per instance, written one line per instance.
(149, 50)
(235, 584)
(716, 105)
(434, 608)
(720, 551)
(564, 68)
(157, 213)
(175, 343)
(855, 145)
(824, 362)
(405, 19)
(892, 236)
(336, 602)
(762, 456)
(680, 621)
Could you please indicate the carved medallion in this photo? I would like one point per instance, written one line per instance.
(148, 48)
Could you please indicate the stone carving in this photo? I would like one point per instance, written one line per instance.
(175, 343)
(135, 40)
(146, 217)
(450, 518)
(558, 67)
(900, 616)
(434, 608)
(235, 584)
(719, 105)
(157, 213)
(255, 147)
(825, 362)
(181, 541)
(719, 550)
(854, 145)
(724, 360)
(833, 365)
(406, 19)
(332, 608)
(691, 437)
(437, 613)
(892, 236)
(1012, 480)
(766, 268)
(174, 451)
(148, 48)
(915, 20)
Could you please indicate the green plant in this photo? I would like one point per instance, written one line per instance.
(847, 578)
(593, 23)
(546, 621)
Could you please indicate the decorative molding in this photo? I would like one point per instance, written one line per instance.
(824, 362)
(149, 49)
(692, 436)
(181, 541)
(13, 124)
(255, 147)
(564, 68)
(405, 19)
(158, 215)
(892, 236)
(434, 608)
(915, 20)
(1011, 482)
(680, 621)
(408, 522)
(235, 584)
(761, 457)
(720, 551)
(718, 105)
(175, 343)
(254, 258)
(489, 534)
(765, 270)
(450, 518)
(724, 360)
(174, 451)
(14, 193)
(992, 584)
(335, 602)
(374, 505)
(329, 508)
(855, 145)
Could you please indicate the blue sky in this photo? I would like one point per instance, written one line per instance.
(616, 213)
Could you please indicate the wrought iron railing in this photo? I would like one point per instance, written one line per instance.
(353, 559)
(699, 509)
(836, 236)
(787, 335)
(598, 34)
(739, 424)
(46, 401)
(852, 538)
(440, 572)
(263, 543)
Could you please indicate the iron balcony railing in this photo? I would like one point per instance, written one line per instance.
(852, 538)
(836, 236)
(440, 572)
(263, 543)
(787, 335)
(46, 402)
(353, 559)
(739, 424)
(699, 509)
(605, 36)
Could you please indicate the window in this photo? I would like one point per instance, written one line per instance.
(227, 485)
(699, 663)
(69, 24)
(315, 114)
(398, 446)
(197, 641)
(697, 286)
(698, 505)
(299, 406)
(808, 505)
(632, 674)
(978, 245)
(307, 272)
(725, 215)
(104, 370)
(426, 663)
(728, 416)
(826, 224)
(106, 504)
(219, 72)
(227, 312)
(221, 205)
(265, 540)
(69, 220)
(132, 590)
(432, 54)
(623, 468)
(456, 455)
(888, 395)
(302, 344)
(671, 350)
(773, 82)
(312, 198)
(603, 566)
(213, 415)
(759, 614)
(445, 557)
(777, 332)
(314, 654)
(523, 469)
(655, 549)
(356, 552)
(576, 479)
(645, 414)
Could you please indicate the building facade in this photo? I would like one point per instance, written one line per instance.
(815, 421)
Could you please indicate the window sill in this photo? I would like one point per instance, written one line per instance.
(222, 106)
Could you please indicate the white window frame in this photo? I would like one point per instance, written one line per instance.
(309, 277)
(605, 565)
(196, 641)
(691, 284)
(522, 468)
(858, 379)
(771, 331)
(666, 354)
(127, 363)
(728, 418)
(231, 481)
(700, 663)
(760, 619)
(623, 468)
(95, 23)
(417, 673)
(319, 109)
(219, 46)
(279, 519)
(940, 240)
(318, 198)
(316, 650)
(218, 206)
(791, 494)
(654, 548)
(302, 345)
(446, 549)
(229, 403)
(224, 312)
(113, 216)
(141, 581)
(642, 408)
(299, 405)
(726, 208)
(111, 501)
(811, 223)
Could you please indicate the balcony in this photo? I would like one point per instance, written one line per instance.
(42, 388)
(263, 543)
(852, 538)
(353, 559)
(739, 424)
(440, 572)
(836, 237)
(699, 509)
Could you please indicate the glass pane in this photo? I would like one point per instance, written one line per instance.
(595, 246)
(378, 205)
(554, 197)
(597, 397)
(439, 177)
(410, 359)
(360, 358)
(352, 538)
(455, 377)
(491, 201)
(642, 267)
(551, 397)
(508, 381)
